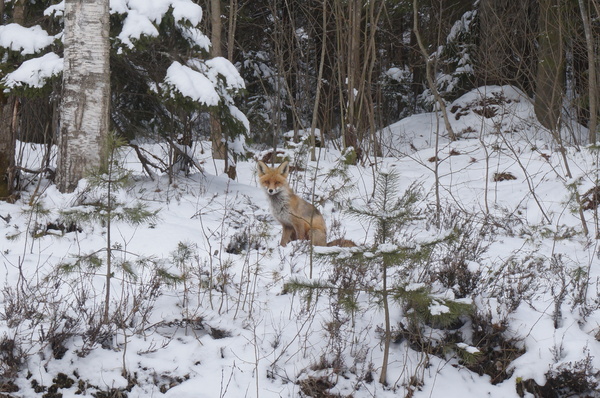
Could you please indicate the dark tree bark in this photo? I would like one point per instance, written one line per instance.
(8, 108)
(9, 105)
(550, 78)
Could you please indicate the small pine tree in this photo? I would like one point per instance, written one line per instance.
(393, 249)
(390, 215)
(103, 206)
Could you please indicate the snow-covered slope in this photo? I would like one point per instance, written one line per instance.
(232, 328)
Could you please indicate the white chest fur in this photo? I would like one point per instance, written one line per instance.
(280, 207)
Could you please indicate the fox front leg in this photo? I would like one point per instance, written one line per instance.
(287, 235)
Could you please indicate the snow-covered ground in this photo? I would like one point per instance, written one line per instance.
(231, 328)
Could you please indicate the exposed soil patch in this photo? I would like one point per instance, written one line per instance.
(317, 387)
(487, 107)
(591, 199)
(503, 176)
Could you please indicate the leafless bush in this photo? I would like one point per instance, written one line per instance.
(572, 379)
(11, 355)
(496, 352)
(457, 267)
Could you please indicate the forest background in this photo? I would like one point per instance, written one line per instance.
(348, 68)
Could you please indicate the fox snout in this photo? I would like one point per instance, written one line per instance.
(274, 189)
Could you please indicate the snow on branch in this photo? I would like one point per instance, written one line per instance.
(134, 26)
(26, 40)
(186, 10)
(34, 72)
(192, 84)
(142, 15)
(222, 66)
(202, 80)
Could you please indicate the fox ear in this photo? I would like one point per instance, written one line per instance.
(284, 168)
(262, 168)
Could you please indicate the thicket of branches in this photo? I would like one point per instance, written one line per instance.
(363, 63)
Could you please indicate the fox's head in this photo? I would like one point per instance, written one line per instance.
(273, 180)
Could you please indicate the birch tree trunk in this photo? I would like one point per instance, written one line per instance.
(86, 91)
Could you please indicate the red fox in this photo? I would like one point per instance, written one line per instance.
(300, 219)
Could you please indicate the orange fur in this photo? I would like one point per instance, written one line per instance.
(300, 219)
(341, 243)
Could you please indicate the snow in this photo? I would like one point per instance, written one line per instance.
(468, 348)
(192, 84)
(222, 66)
(25, 40)
(154, 10)
(387, 248)
(460, 26)
(186, 10)
(234, 329)
(118, 7)
(237, 146)
(142, 17)
(199, 80)
(196, 37)
(151, 9)
(397, 74)
(438, 309)
(135, 25)
(35, 72)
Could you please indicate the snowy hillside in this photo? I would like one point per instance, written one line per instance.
(204, 303)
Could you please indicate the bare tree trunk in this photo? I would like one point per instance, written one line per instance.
(387, 327)
(550, 80)
(19, 12)
(592, 72)
(86, 91)
(429, 72)
(506, 51)
(233, 9)
(347, 16)
(352, 73)
(9, 120)
(8, 130)
(286, 55)
(219, 140)
(313, 124)
(219, 147)
(367, 104)
(341, 59)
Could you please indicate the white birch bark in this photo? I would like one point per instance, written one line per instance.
(86, 91)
